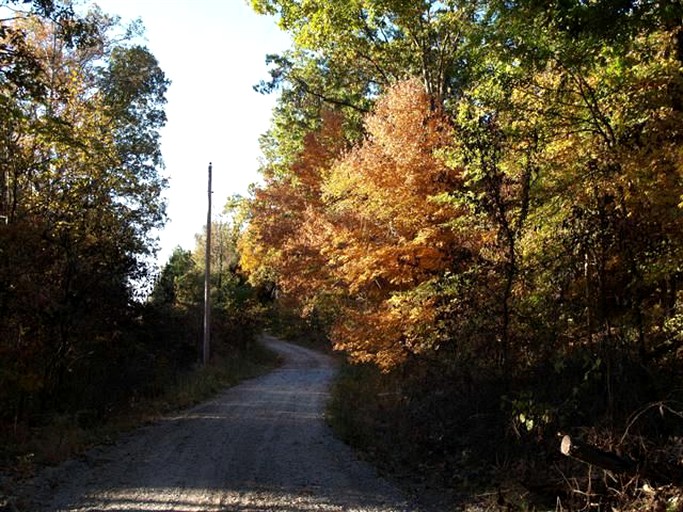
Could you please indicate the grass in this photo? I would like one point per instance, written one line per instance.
(225, 370)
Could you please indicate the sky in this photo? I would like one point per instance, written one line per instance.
(213, 51)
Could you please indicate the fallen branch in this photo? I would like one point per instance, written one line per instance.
(596, 457)
(661, 473)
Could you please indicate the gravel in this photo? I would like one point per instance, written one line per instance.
(259, 446)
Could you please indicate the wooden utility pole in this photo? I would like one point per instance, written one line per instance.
(207, 276)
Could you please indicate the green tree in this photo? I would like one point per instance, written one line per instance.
(169, 283)
(347, 53)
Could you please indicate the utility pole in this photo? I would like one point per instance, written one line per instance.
(207, 276)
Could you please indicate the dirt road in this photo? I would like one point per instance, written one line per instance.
(260, 446)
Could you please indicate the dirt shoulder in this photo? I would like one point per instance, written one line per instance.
(262, 445)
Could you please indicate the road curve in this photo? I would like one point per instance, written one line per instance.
(259, 446)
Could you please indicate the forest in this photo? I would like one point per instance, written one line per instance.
(479, 203)
(89, 330)
(476, 203)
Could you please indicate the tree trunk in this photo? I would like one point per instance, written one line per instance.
(596, 457)
(659, 473)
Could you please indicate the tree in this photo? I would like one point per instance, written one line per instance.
(365, 231)
(507, 221)
(606, 169)
(167, 289)
(346, 54)
(385, 39)
(281, 242)
(81, 191)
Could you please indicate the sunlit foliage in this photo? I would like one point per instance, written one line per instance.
(506, 214)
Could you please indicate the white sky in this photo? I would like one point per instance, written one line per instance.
(213, 51)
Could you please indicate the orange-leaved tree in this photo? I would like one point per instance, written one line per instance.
(367, 233)
(283, 239)
(391, 229)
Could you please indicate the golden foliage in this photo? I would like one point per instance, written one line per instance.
(284, 231)
(368, 223)
(382, 196)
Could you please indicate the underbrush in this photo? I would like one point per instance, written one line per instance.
(433, 444)
(469, 440)
(58, 436)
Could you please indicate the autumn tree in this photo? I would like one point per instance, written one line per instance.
(615, 173)
(281, 243)
(550, 116)
(509, 217)
(80, 197)
(368, 229)
(391, 231)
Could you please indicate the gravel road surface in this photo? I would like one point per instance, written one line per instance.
(260, 446)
